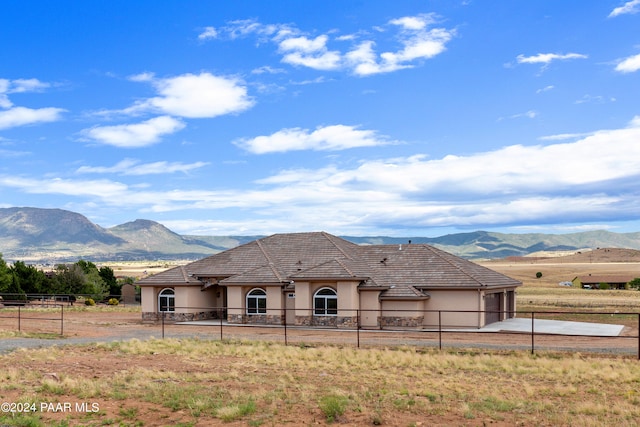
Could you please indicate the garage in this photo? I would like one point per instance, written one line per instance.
(492, 308)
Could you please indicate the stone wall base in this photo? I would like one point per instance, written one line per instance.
(172, 316)
(401, 321)
(255, 319)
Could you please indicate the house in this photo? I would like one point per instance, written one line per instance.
(317, 279)
(594, 282)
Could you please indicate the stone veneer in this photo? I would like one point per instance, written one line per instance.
(255, 319)
(172, 316)
(401, 321)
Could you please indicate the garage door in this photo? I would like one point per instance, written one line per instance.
(492, 308)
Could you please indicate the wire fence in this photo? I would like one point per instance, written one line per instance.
(601, 332)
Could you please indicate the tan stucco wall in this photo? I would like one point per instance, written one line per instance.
(389, 308)
(149, 296)
(370, 306)
(303, 298)
(235, 300)
(454, 300)
(348, 298)
(195, 299)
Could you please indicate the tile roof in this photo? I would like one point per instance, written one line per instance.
(404, 271)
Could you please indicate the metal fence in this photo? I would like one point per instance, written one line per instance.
(531, 337)
(29, 318)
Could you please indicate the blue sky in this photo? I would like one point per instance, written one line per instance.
(400, 118)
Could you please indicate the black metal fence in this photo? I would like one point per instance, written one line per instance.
(29, 318)
(530, 334)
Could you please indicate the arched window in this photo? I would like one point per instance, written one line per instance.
(257, 301)
(167, 300)
(325, 302)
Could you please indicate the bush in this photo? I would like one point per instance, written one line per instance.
(538, 274)
(89, 301)
(604, 286)
(333, 406)
(113, 301)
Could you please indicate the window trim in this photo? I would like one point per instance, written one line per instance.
(171, 300)
(325, 309)
(260, 296)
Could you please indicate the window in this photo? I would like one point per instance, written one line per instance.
(167, 300)
(257, 302)
(325, 302)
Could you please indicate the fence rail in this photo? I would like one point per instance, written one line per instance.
(35, 320)
(437, 335)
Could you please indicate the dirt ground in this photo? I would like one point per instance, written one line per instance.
(90, 326)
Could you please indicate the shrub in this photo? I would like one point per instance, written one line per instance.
(604, 285)
(113, 301)
(538, 274)
(89, 301)
(332, 406)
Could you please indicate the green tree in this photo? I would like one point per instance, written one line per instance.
(110, 281)
(5, 275)
(635, 283)
(30, 279)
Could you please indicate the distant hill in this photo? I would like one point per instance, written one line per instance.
(55, 235)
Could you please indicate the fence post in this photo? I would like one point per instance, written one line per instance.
(221, 325)
(61, 320)
(19, 327)
(358, 326)
(440, 329)
(533, 334)
(286, 342)
(638, 336)
(163, 325)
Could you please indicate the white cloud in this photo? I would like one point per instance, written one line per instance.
(547, 58)
(20, 116)
(328, 138)
(629, 65)
(417, 42)
(134, 135)
(208, 33)
(545, 89)
(193, 96)
(135, 167)
(629, 7)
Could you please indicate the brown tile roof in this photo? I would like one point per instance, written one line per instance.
(406, 271)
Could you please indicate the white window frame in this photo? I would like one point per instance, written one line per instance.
(259, 297)
(170, 300)
(328, 302)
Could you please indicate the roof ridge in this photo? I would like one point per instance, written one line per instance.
(343, 265)
(328, 237)
(264, 251)
(437, 253)
(184, 273)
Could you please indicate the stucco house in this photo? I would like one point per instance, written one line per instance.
(317, 279)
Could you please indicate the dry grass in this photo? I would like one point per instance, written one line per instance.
(197, 382)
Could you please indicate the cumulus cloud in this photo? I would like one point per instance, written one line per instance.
(629, 7)
(327, 138)
(135, 167)
(134, 135)
(585, 180)
(20, 116)
(629, 65)
(414, 37)
(14, 116)
(193, 96)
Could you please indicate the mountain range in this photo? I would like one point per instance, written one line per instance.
(50, 236)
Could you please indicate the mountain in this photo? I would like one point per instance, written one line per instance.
(56, 235)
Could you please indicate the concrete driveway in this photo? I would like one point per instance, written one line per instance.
(541, 326)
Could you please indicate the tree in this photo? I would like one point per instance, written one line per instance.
(110, 281)
(5, 276)
(635, 283)
(538, 274)
(31, 279)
